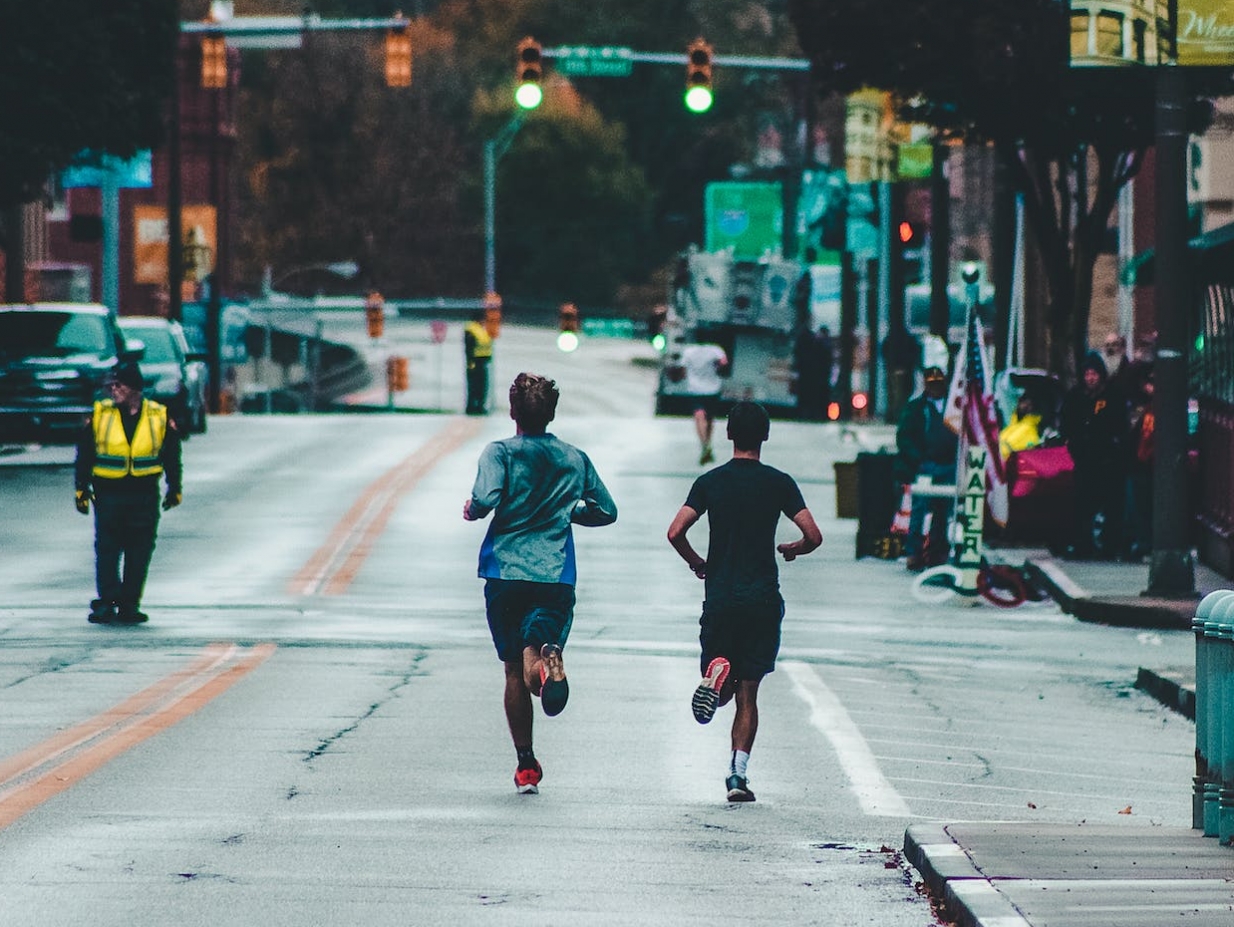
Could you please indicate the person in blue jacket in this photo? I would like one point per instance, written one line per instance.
(537, 487)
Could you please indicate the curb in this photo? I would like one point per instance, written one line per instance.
(970, 899)
(1123, 611)
(1169, 691)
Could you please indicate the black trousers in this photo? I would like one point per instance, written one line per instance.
(477, 387)
(125, 525)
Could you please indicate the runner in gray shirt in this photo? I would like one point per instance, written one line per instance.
(537, 487)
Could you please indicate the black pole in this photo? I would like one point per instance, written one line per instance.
(214, 347)
(940, 241)
(175, 239)
(1171, 570)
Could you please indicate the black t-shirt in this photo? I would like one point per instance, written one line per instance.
(743, 500)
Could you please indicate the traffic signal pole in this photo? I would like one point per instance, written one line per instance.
(494, 149)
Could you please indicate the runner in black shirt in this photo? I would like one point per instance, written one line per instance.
(742, 607)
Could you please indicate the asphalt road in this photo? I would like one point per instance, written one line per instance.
(309, 729)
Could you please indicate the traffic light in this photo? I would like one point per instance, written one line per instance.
(698, 76)
(398, 55)
(567, 321)
(375, 314)
(398, 378)
(529, 74)
(910, 234)
(213, 62)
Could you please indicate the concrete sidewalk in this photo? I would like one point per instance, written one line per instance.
(1077, 875)
(1074, 875)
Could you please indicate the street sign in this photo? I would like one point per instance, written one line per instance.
(586, 61)
(745, 216)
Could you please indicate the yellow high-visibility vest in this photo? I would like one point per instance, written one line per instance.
(114, 456)
(482, 341)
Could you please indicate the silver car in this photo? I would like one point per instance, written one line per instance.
(175, 375)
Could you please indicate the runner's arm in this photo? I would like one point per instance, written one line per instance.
(597, 507)
(682, 522)
(810, 538)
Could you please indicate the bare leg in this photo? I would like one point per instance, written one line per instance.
(702, 424)
(518, 704)
(745, 721)
(531, 669)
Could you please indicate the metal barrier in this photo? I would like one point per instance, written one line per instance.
(1212, 808)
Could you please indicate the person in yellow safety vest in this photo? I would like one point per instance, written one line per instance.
(125, 447)
(1024, 430)
(478, 351)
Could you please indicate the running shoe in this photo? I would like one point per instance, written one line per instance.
(707, 695)
(707, 456)
(527, 781)
(554, 690)
(738, 788)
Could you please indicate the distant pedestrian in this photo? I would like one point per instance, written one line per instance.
(126, 447)
(478, 354)
(537, 487)
(1095, 425)
(742, 607)
(927, 448)
(704, 365)
(1141, 446)
(813, 357)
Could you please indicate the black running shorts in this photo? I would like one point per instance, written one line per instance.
(523, 614)
(748, 635)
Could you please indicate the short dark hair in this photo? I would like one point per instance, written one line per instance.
(533, 401)
(748, 425)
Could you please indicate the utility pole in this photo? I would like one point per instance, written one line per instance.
(494, 149)
(1171, 569)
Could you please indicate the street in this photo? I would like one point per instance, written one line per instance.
(309, 729)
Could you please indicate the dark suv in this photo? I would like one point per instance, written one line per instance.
(54, 358)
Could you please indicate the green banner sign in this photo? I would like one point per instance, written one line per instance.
(748, 217)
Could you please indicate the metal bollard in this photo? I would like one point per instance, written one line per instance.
(1220, 641)
(1225, 720)
(1203, 700)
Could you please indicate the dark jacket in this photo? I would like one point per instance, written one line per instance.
(921, 435)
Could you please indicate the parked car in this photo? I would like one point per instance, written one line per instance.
(54, 359)
(175, 375)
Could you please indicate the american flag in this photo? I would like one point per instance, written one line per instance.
(971, 415)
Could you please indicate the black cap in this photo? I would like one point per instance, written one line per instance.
(129, 375)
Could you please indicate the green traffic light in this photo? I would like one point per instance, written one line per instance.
(528, 96)
(698, 99)
(567, 341)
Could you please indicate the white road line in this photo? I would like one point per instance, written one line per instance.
(874, 793)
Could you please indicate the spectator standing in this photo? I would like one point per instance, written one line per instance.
(1094, 425)
(478, 353)
(126, 447)
(813, 356)
(1140, 447)
(927, 448)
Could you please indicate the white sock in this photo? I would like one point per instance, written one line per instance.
(738, 765)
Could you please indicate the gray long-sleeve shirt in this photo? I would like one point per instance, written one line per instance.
(537, 487)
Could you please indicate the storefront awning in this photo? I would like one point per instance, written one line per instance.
(1210, 257)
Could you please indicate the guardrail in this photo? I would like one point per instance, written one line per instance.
(1212, 803)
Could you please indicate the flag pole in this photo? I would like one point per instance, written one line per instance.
(971, 472)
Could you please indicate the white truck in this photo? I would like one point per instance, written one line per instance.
(752, 309)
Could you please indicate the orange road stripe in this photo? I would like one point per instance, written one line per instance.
(334, 565)
(40, 754)
(29, 796)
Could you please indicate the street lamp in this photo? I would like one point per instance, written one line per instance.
(347, 270)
